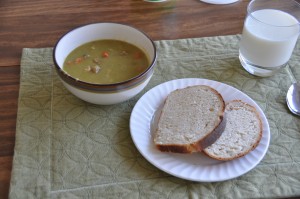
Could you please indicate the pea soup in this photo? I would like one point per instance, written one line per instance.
(106, 62)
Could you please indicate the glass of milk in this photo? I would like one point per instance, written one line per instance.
(270, 33)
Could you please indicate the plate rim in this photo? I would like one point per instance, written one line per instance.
(222, 2)
(184, 82)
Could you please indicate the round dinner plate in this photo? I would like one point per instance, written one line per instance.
(195, 166)
(155, 1)
(219, 1)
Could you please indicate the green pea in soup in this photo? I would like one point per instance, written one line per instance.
(106, 62)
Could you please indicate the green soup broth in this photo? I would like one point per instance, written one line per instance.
(106, 62)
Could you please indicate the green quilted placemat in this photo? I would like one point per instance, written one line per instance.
(67, 148)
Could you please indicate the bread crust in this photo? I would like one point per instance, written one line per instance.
(253, 146)
(205, 141)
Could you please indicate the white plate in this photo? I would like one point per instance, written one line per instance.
(197, 166)
(155, 1)
(219, 1)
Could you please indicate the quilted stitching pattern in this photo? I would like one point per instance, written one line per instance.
(66, 148)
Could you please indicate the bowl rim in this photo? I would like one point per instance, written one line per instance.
(105, 87)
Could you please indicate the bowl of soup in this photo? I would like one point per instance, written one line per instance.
(105, 63)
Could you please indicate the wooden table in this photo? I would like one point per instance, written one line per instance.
(38, 24)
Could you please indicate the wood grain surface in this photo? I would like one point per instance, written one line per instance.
(40, 23)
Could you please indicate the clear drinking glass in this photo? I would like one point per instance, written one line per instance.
(270, 33)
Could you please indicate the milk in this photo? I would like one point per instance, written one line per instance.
(269, 37)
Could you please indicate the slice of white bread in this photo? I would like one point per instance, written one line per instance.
(188, 119)
(242, 133)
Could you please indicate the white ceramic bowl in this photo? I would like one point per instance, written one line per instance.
(104, 94)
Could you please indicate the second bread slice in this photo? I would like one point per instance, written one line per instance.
(188, 120)
(242, 133)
